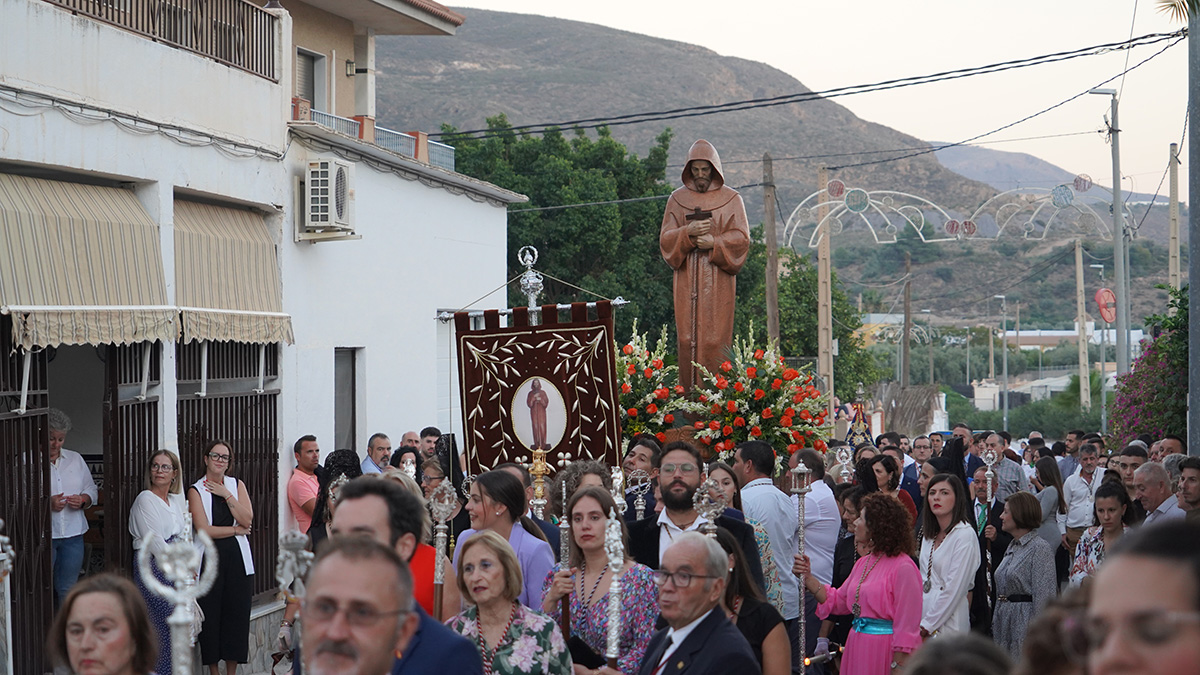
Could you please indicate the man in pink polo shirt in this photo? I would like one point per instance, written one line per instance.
(303, 485)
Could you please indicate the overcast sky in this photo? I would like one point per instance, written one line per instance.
(827, 45)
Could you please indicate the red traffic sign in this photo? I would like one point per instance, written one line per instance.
(1107, 300)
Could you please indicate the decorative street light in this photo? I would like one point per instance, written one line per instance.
(1004, 348)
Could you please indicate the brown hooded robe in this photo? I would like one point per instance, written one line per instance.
(705, 280)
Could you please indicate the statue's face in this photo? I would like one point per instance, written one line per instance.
(701, 174)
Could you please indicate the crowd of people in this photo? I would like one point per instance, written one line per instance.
(956, 553)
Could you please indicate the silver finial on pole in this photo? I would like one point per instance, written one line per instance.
(441, 504)
(180, 562)
(845, 454)
(990, 458)
(710, 502)
(801, 477)
(639, 482)
(531, 279)
(618, 488)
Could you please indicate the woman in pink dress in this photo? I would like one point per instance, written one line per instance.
(882, 593)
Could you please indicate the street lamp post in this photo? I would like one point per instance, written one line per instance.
(1120, 272)
(1004, 347)
(1103, 363)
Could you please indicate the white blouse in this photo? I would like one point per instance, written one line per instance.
(151, 517)
(944, 607)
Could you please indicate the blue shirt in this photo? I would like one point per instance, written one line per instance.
(435, 648)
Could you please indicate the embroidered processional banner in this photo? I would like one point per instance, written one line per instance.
(551, 386)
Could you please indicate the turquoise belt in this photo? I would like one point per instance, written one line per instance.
(869, 626)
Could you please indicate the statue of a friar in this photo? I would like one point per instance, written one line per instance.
(705, 238)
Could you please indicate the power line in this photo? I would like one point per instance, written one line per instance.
(1157, 190)
(750, 104)
(1020, 121)
(516, 208)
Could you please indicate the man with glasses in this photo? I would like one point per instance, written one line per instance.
(678, 478)
(699, 639)
(392, 516)
(1147, 619)
(358, 608)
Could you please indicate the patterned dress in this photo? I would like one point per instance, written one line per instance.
(1089, 553)
(1027, 569)
(639, 609)
(533, 644)
(770, 569)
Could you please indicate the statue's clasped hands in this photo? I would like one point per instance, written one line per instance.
(700, 232)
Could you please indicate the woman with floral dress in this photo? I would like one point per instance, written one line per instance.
(1113, 512)
(512, 639)
(589, 578)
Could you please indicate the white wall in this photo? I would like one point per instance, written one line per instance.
(47, 49)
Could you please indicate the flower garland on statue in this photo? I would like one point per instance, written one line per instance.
(650, 394)
(755, 395)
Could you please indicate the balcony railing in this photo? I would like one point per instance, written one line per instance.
(237, 33)
(441, 155)
(397, 142)
(341, 125)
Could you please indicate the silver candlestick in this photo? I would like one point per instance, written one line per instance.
(441, 503)
(801, 477)
(845, 454)
(564, 532)
(180, 562)
(710, 502)
(291, 564)
(618, 488)
(639, 483)
(615, 549)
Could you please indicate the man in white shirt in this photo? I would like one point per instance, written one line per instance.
(1154, 492)
(71, 491)
(822, 520)
(765, 504)
(1079, 491)
(379, 451)
(699, 639)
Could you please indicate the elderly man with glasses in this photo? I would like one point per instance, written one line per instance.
(680, 474)
(699, 639)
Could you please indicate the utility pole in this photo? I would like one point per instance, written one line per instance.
(1193, 414)
(929, 336)
(1173, 220)
(1004, 355)
(969, 358)
(991, 353)
(772, 250)
(1120, 259)
(1085, 380)
(907, 320)
(825, 298)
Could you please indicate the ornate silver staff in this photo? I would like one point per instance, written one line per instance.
(639, 482)
(800, 488)
(179, 562)
(844, 456)
(564, 559)
(618, 488)
(539, 470)
(291, 564)
(990, 458)
(616, 558)
(441, 503)
(710, 502)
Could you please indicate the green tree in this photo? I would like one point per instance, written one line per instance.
(798, 315)
(611, 249)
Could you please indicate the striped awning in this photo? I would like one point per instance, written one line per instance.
(80, 264)
(227, 280)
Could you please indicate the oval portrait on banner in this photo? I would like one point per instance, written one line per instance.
(539, 414)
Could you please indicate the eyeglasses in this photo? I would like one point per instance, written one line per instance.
(429, 479)
(161, 468)
(681, 579)
(217, 457)
(1085, 635)
(357, 614)
(678, 468)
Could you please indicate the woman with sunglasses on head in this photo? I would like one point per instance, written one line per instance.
(882, 593)
(588, 579)
(157, 517)
(221, 508)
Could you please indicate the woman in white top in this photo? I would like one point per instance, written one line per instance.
(158, 515)
(949, 557)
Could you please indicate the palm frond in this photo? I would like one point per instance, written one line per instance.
(1180, 10)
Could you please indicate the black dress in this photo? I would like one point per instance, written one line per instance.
(225, 635)
(756, 619)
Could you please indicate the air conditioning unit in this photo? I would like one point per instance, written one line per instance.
(329, 196)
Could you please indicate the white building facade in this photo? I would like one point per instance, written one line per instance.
(163, 282)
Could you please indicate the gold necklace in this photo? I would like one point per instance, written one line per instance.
(855, 609)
